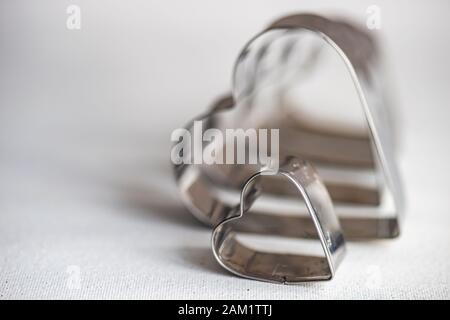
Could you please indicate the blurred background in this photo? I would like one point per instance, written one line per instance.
(88, 203)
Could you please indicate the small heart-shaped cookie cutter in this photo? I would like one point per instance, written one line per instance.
(283, 267)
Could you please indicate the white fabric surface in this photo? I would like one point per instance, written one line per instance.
(88, 205)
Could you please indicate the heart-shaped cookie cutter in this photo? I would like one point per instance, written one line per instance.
(201, 185)
(284, 268)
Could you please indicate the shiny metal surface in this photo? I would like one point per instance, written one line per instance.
(357, 168)
(282, 267)
(366, 210)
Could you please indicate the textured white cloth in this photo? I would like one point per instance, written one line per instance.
(88, 205)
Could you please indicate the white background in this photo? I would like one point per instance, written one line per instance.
(85, 122)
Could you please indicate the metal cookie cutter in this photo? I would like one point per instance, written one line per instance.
(286, 268)
(358, 169)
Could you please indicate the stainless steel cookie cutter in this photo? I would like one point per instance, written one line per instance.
(267, 68)
(285, 268)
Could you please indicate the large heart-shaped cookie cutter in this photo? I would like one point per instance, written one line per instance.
(360, 56)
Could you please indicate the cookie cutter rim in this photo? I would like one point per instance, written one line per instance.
(303, 176)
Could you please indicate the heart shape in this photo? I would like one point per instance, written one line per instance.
(359, 55)
(282, 267)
